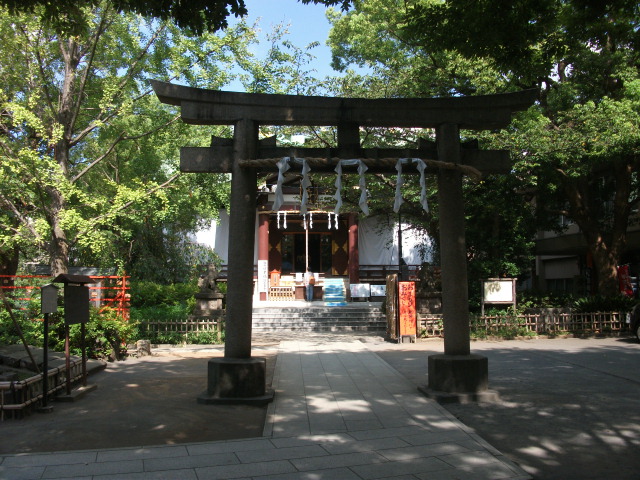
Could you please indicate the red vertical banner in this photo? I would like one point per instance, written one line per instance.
(407, 308)
(624, 280)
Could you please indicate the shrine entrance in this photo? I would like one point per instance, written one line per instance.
(239, 377)
(306, 250)
(298, 245)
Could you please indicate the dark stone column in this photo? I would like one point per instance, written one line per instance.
(241, 243)
(239, 378)
(457, 375)
(263, 242)
(453, 253)
(354, 257)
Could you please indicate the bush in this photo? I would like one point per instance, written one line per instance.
(151, 294)
(106, 335)
(534, 300)
(600, 303)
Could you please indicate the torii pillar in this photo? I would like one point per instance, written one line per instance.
(457, 375)
(240, 378)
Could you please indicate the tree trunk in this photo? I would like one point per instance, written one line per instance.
(59, 246)
(605, 264)
(606, 238)
(9, 265)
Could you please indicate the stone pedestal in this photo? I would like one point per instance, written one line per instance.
(237, 381)
(207, 303)
(459, 379)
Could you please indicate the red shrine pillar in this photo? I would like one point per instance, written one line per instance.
(354, 258)
(263, 243)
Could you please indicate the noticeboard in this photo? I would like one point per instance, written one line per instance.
(49, 298)
(499, 291)
(378, 290)
(76, 304)
(407, 308)
(360, 290)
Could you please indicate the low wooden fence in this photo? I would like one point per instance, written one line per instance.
(539, 324)
(171, 329)
(18, 395)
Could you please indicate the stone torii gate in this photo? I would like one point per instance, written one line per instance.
(239, 377)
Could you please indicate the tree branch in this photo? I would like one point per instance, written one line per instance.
(122, 138)
(23, 220)
(128, 204)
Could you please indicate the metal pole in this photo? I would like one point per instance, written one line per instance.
(67, 355)
(45, 364)
(84, 354)
(400, 275)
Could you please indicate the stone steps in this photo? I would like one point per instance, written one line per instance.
(319, 319)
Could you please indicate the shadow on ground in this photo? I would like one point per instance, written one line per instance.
(568, 409)
(145, 401)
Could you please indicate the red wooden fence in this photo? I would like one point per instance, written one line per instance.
(108, 291)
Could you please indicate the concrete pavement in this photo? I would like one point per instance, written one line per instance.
(340, 412)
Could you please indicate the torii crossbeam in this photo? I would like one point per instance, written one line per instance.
(239, 378)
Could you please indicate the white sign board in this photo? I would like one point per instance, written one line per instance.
(360, 290)
(263, 275)
(378, 290)
(498, 290)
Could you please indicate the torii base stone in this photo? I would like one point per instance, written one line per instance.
(238, 381)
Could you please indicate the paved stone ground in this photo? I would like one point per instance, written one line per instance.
(145, 401)
(569, 408)
(340, 412)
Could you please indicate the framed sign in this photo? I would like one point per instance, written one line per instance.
(76, 304)
(360, 290)
(378, 290)
(499, 291)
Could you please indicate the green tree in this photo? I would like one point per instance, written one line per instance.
(198, 16)
(88, 153)
(372, 36)
(577, 149)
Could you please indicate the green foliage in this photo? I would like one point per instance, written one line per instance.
(198, 16)
(110, 186)
(576, 150)
(203, 338)
(534, 300)
(151, 294)
(600, 303)
(505, 326)
(106, 335)
(156, 308)
(160, 313)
